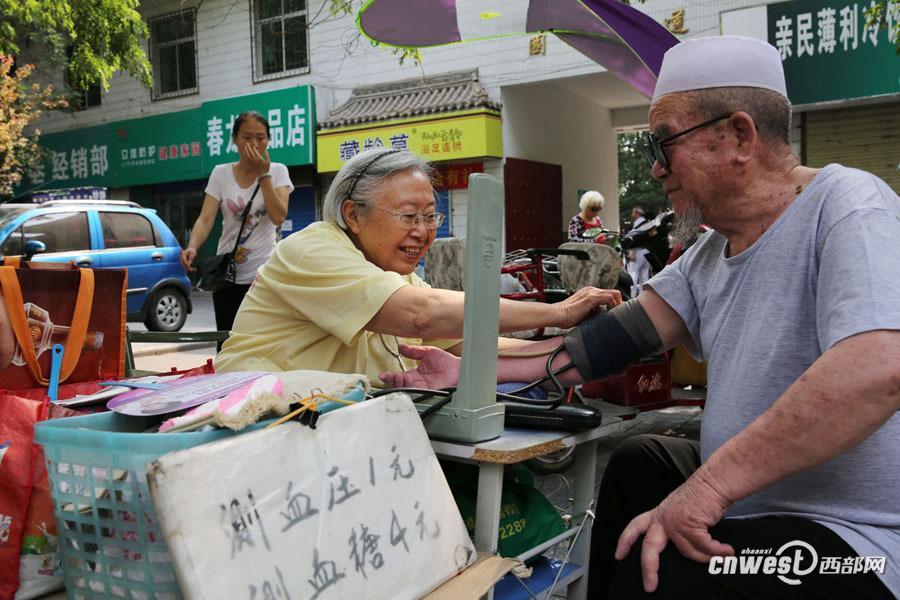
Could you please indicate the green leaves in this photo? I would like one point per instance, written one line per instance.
(21, 104)
(636, 184)
(93, 38)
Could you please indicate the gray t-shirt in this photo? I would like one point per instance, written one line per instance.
(827, 269)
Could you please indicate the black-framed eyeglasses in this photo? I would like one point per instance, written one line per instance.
(654, 149)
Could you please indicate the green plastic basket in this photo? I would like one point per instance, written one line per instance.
(112, 546)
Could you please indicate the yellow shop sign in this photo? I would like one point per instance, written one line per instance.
(450, 136)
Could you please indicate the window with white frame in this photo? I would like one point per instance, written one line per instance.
(173, 43)
(280, 34)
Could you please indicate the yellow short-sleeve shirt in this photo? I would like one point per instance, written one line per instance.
(308, 307)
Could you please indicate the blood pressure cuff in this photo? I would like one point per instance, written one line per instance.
(611, 340)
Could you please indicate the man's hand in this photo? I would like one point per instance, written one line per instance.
(684, 517)
(584, 303)
(437, 369)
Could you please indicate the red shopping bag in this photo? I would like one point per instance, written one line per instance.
(17, 461)
(82, 309)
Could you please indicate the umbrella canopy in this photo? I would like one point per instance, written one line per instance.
(623, 40)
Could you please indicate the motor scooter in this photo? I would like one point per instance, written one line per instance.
(653, 236)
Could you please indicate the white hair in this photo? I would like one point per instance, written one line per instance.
(591, 198)
(362, 177)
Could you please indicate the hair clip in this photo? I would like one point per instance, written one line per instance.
(360, 173)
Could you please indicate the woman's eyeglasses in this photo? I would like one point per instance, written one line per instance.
(654, 149)
(413, 220)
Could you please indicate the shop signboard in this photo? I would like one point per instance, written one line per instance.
(455, 176)
(830, 52)
(291, 115)
(442, 137)
(175, 146)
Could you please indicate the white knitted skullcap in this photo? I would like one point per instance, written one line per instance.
(720, 61)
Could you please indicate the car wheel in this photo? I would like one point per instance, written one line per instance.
(167, 311)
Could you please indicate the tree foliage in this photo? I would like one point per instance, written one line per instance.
(636, 184)
(21, 104)
(876, 15)
(92, 38)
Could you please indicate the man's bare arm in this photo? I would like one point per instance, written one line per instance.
(848, 393)
(828, 410)
(668, 324)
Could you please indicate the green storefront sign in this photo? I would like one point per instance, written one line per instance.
(830, 53)
(175, 146)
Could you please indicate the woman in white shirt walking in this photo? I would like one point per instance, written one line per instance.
(231, 186)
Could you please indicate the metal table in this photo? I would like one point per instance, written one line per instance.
(517, 445)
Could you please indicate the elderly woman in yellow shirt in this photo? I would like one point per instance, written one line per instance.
(341, 294)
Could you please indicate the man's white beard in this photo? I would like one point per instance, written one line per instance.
(687, 225)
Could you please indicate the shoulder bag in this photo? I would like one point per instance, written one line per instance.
(220, 270)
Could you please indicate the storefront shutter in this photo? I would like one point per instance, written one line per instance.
(865, 137)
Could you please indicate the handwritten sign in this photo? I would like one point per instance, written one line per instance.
(357, 508)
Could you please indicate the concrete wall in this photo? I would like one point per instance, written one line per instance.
(546, 123)
(541, 122)
(340, 59)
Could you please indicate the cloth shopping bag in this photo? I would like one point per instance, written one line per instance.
(527, 518)
(54, 303)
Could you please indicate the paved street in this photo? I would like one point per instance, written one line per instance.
(161, 357)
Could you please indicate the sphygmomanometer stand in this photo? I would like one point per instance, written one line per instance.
(470, 428)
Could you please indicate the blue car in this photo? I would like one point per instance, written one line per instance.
(108, 234)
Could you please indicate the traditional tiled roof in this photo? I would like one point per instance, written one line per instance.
(411, 97)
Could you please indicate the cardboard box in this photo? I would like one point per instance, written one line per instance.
(643, 385)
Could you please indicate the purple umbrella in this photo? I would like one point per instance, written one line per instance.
(623, 40)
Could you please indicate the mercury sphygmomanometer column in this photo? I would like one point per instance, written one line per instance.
(474, 415)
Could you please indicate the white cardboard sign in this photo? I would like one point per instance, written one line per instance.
(356, 508)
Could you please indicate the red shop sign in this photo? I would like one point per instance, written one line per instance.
(455, 177)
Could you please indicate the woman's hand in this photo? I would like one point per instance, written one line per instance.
(437, 369)
(584, 303)
(187, 257)
(258, 162)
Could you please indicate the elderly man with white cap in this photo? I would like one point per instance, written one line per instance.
(794, 301)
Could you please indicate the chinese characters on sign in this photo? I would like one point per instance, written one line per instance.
(442, 141)
(537, 46)
(175, 146)
(366, 514)
(675, 23)
(473, 135)
(455, 176)
(290, 134)
(75, 164)
(246, 527)
(830, 29)
(351, 148)
(835, 49)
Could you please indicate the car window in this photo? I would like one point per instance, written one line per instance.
(59, 231)
(12, 245)
(126, 230)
